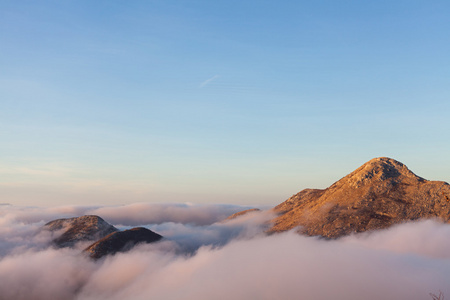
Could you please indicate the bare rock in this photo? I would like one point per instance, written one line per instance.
(242, 213)
(121, 241)
(85, 228)
(380, 193)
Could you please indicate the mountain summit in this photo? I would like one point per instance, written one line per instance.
(121, 241)
(106, 238)
(380, 193)
(73, 230)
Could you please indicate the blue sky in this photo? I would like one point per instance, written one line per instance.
(245, 102)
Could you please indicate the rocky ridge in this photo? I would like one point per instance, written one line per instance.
(242, 213)
(74, 230)
(121, 241)
(106, 238)
(380, 193)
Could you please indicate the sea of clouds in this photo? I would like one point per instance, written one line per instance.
(203, 257)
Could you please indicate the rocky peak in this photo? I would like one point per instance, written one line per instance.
(377, 170)
(121, 241)
(380, 193)
(73, 230)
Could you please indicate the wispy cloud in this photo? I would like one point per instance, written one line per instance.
(208, 81)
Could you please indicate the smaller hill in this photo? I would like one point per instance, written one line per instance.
(74, 230)
(121, 241)
(242, 213)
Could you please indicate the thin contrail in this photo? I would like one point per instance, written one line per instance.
(208, 81)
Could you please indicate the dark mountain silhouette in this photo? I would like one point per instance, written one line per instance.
(380, 193)
(73, 230)
(121, 241)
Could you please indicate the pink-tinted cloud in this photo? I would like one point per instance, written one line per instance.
(154, 213)
(129, 215)
(406, 262)
(283, 266)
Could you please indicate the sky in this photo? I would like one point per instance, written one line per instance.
(244, 102)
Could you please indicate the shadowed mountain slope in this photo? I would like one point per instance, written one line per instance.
(73, 230)
(380, 193)
(121, 241)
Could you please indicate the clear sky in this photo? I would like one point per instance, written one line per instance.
(245, 102)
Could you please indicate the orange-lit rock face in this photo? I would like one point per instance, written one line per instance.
(380, 193)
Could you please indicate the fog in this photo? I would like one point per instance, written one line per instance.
(204, 258)
(130, 214)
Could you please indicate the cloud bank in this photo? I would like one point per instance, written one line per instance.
(231, 260)
(128, 215)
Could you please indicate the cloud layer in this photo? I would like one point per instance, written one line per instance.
(232, 260)
(127, 215)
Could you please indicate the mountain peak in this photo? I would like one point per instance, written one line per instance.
(380, 169)
(121, 241)
(378, 194)
(74, 230)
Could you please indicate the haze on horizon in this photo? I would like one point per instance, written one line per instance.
(244, 102)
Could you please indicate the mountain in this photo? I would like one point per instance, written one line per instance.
(380, 193)
(107, 239)
(241, 213)
(121, 241)
(73, 230)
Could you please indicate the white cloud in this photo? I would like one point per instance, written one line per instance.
(157, 213)
(233, 260)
